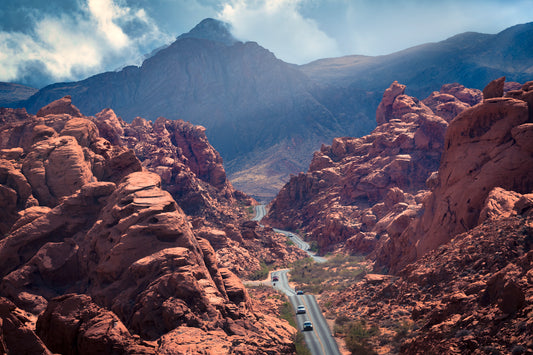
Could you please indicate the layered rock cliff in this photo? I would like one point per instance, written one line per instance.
(486, 147)
(95, 243)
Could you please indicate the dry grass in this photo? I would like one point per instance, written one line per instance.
(337, 273)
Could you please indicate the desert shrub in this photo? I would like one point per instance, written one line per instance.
(299, 343)
(340, 323)
(403, 331)
(337, 273)
(262, 273)
(313, 246)
(357, 337)
(286, 311)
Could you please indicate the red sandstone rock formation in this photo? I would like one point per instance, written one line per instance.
(82, 215)
(16, 334)
(361, 190)
(471, 295)
(73, 324)
(486, 146)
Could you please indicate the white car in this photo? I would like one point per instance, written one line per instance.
(300, 309)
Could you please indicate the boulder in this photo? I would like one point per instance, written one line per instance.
(16, 334)
(494, 88)
(63, 105)
(384, 110)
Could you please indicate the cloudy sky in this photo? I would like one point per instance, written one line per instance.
(42, 42)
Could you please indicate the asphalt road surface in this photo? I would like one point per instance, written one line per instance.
(260, 212)
(319, 340)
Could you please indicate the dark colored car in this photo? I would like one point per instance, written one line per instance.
(275, 278)
(299, 292)
(308, 325)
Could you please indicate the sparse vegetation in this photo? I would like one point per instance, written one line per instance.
(250, 210)
(299, 343)
(262, 273)
(286, 312)
(403, 330)
(313, 246)
(335, 274)
(357, 335)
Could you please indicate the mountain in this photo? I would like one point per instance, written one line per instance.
(471, 59)
(13, 93)
(265, 116)
(256, 109)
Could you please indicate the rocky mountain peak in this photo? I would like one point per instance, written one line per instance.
(213, 30)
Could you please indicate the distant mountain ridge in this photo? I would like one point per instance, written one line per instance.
(10, 93)
(265, 116)
(472, 59)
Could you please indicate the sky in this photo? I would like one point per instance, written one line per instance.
(42, 42)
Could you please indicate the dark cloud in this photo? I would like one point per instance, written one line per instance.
(33, 73)
(78, 39)
(19, 15)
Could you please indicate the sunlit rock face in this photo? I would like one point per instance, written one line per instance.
(486, 147)
(360, 192)
(90, 236)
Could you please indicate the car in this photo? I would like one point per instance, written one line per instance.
(300, 309)
(275, 278)
(299, 292)
(308, 325)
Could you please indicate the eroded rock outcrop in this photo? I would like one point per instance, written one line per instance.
(485, 147)
(93, 243)
(16, 333)
(471, 295)
(360, 191)
(73, 324)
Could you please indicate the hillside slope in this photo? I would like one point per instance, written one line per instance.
(472, 59)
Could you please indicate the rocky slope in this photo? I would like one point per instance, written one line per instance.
(473, 295)
(473, 59)
(460, 254)
(94, 245)
(487, 146)
(360, 190)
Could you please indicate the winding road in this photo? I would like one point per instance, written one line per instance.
(319, 340)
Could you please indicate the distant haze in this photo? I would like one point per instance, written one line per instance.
(42, 42)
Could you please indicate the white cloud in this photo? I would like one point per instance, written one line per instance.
(279, 26)
(73, 46)
(105, 12)
(381, 27)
